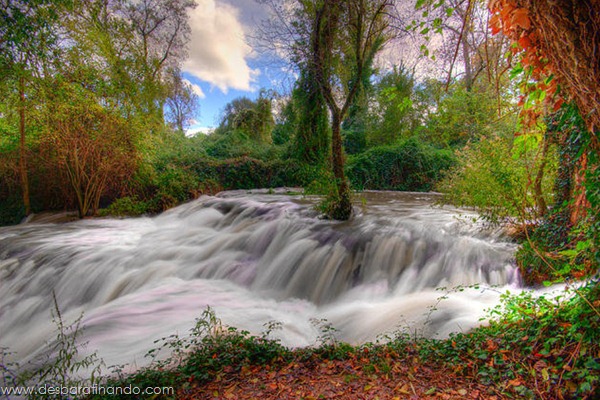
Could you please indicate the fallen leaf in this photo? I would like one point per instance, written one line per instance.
(515, 382)
(431, 391)
(403, 389)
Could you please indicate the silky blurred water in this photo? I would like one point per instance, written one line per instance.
(253, 257)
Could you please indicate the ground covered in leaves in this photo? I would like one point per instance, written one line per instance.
(354, 378)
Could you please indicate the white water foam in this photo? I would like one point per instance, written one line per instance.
(253, 258)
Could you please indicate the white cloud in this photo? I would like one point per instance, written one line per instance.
(205, 130)
(217, 50)
(195, 88)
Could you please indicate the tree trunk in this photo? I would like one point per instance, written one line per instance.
(467, 62)
(581, 205)
(342, 210)
(23, 150)
(537, 184)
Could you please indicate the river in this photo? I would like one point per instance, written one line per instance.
(254, 257)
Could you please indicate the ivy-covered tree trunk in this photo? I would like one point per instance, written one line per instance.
(342, 208)
(324, 39)
(23, 149)
(345, 35)
(311, 125)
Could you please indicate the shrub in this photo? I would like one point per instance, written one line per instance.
(11, 211)
(236, 144)
(408, 166)
(126, 206)
(496, 180)
(537, 346)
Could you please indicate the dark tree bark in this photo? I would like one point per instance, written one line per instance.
(23, 149)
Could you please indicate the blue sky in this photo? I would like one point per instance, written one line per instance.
(222, 64)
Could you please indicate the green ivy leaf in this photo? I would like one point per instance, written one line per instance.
(516, 71)
(420, 3)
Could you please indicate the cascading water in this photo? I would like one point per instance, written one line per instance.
(253, 258)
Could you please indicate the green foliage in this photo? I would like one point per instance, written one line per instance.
(488, 178)
(253, 119)
(91, 146)
(463, 116)
(125, 206)
(235, 349)
(11, 210)
(592, 187)
(559, 247)
(396, 115)
(237, 143)
(355, 140)
(323, 184)
(536, 345)
(175, 185)
(332, 205)
(335, 205)
(175, 178)
(308, 120)
(409, 165)
(11, 205)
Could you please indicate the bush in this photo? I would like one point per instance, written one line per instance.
(126, 206)
(497, 181)
(537, 347)
(408, 166)
(250, 173)
(237, 144)
(11, 211)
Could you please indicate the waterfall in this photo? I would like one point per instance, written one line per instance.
(253, 257)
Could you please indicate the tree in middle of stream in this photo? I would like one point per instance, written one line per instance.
(334, 42)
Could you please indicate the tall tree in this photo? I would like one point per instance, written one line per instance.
(254, 118)
(394, 115)
(182, 102)
(161, 34)
(130, 47)
(27, 36)
(307, 117)
(343, 36)
(311, 128)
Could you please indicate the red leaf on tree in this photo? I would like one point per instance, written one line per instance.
(558, 104)
(505, 12)
(524, 42)
(520, 18)
(495, 24)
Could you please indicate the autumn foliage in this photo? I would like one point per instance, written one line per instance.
(91, 148)
(559, 43)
